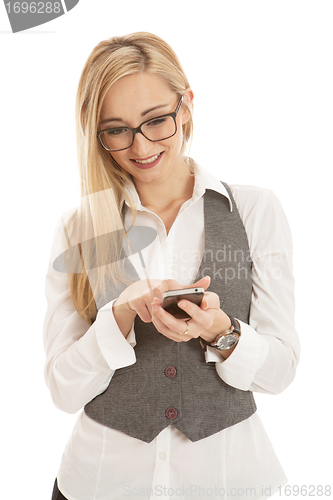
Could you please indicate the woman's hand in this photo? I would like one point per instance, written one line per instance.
(207, 321)
(137, 299)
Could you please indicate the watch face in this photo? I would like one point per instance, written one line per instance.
(227, 342)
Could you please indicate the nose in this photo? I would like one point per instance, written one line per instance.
(141, 146)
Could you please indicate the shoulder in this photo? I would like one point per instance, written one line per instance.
(262, 214)
(60, 234)
(250, 195)
(254, 200)
(66, 219)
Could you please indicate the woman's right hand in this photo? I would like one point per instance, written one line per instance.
(137, 299)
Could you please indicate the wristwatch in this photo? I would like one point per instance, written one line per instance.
(227, 339)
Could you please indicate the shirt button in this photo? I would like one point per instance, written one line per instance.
(171, 413)
(162, 455)
(170, 372)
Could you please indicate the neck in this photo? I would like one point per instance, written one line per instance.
(165, 191)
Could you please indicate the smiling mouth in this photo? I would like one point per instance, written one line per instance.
(148, 161)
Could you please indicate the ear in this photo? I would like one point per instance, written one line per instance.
(188, 97)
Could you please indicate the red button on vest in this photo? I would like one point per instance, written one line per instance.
(170, 372)
(171, 413)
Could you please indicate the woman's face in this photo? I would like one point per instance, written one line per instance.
(132, 100)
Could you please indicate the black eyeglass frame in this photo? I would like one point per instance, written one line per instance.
(138, 129)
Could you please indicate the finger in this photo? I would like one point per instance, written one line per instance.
(144, 314)
(142, 310)
(167, 327)
(210, 300)
(203, 282)
(199, 316)
(169, 334)
(165, 322)
(138, 290)
(167, 285)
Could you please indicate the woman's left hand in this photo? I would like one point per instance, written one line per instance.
(207, 320)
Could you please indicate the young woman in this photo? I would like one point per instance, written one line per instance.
(168, 402)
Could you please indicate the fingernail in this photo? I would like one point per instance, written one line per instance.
(182, 304)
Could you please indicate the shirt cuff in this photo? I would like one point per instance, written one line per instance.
(240, 368)
(117, 351)
(131, 337)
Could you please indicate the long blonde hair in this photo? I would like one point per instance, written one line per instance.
(101, 179)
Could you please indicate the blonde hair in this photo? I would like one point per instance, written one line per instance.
(109, 61)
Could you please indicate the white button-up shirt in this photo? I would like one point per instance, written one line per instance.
(239, 462)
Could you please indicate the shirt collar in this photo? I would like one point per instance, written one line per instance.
(203, 180)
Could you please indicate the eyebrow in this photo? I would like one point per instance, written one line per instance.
(144, 113)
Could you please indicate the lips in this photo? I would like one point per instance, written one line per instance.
(149, 162)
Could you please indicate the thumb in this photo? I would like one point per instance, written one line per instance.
(203, 282)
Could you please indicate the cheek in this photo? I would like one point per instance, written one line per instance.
(119, 157)
(175, 143)
(179, 139)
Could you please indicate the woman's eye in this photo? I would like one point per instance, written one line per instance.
(116, 131)
(156, 122)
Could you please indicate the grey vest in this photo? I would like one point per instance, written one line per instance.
(170, 383)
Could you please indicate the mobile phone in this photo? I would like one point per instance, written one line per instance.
(172, 297)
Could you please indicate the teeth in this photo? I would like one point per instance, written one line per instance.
(150, 160)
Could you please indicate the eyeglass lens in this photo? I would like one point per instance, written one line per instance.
(157, 129)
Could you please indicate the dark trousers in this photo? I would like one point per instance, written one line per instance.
(57, 495)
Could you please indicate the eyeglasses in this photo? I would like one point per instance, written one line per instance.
(156, 129)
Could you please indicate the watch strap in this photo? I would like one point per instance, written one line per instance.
(236, 325)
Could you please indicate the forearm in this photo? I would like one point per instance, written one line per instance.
(81, 360)
(268, 351)
(73, 377)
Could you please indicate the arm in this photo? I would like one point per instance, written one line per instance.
(266, 357)
(80, 360)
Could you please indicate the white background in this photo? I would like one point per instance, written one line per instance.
(262, 76)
